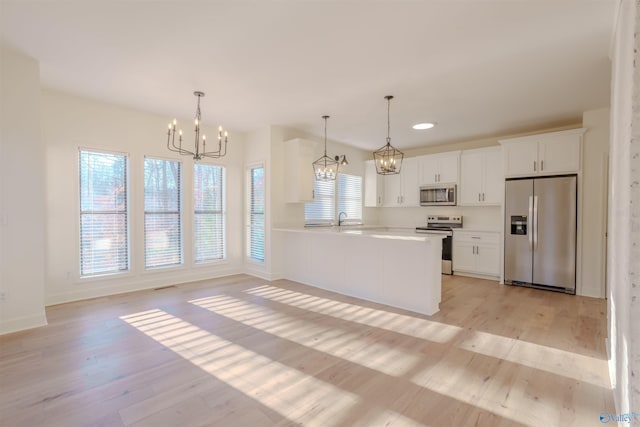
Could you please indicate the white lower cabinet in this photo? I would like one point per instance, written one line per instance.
(476, 252)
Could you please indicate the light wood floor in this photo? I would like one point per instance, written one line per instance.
(241, 351)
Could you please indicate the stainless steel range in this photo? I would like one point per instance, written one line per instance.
(443, 224)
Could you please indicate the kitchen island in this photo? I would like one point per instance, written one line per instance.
(395, 267)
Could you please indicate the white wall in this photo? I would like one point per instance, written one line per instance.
(623, 259)
(595, 158)
(70, 122)
(22, 195)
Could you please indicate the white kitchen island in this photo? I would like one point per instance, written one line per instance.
(397, 268)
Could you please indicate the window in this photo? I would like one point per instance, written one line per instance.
(162, 213)
(104, 232)
(322, 209)
(209, 215)
(349, 200)
(255, 235)
(350, 197)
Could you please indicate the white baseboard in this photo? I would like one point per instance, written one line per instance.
(22, 323)
(477, 276)
(140, 284)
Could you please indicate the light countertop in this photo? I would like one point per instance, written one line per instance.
(380, 232)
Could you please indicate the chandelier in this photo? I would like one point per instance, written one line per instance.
(326, 168)
(197, 153)
(388, 159)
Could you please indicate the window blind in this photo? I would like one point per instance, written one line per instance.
(322, 209)
(209, 213)
(255, 238)
(162, 213)
(350, 197)
(104, 236)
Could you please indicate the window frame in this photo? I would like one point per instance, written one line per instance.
(127, 213)
(180, 212)
(223, 213)
(341, 197)
(335, 201)
(249, 214)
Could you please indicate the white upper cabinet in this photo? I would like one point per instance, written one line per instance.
(403, 189)
(439, 168)
(543, 154)
(299, 179)
(373, 185)
(410, 186)
(481, 177)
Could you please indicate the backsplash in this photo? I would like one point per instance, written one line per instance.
(473, 216)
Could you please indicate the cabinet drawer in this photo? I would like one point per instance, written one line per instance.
(483, 237)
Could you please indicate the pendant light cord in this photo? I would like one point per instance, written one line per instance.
(389, 98)
(325, 134)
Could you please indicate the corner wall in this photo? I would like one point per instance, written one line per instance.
(22, 195)
(623, 260)
(70, 122)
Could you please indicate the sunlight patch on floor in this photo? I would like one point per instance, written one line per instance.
(353, 347)
(559, 362)
(395, 322)
(277, 386)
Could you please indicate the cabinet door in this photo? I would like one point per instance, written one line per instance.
(464, 258)
(470, 190)
(521, 158)
(392, 189)
(373, 185)
(560, 153)
(448, 167)
(428, 170)
(299, 178)
(410, 187)
(493, 184)
(488, 259)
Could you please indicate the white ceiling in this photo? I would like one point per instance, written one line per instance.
(476, 67)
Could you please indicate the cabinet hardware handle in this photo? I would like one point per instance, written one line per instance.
(478, 196)
(313, 194)
(475, 237)
(534, 166)
(541, 165)
(477, 250)
(483, 197)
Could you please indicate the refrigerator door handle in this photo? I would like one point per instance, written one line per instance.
(535, 222)
(530, 223)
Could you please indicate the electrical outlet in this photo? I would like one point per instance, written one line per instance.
(3, 296)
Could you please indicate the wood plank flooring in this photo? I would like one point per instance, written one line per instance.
(240, 351)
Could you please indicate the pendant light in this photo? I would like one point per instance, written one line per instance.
(325, 168)
(388, 159)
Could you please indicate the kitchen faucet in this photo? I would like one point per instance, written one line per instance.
(340, 218)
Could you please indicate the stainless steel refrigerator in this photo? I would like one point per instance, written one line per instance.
(540, 232)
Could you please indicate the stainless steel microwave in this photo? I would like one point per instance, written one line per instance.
(438, 195)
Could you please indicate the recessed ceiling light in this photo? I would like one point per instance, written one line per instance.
(422, 126)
